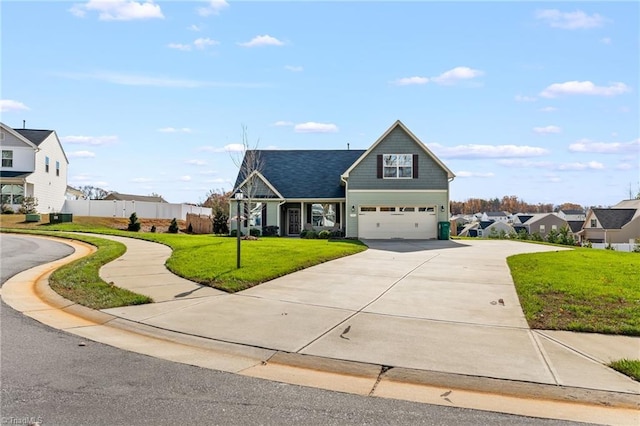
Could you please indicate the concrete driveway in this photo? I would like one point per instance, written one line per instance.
(430, 305)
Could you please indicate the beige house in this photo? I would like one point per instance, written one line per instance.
(619, 224)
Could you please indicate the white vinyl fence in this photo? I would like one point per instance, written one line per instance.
(616, 247)
(143, 209)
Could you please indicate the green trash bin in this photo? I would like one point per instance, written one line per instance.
(60, 217)
(443, 230)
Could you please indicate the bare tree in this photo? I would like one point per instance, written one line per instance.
(249, 162)
(93, 193)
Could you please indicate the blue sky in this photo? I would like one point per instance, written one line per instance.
(538, 100)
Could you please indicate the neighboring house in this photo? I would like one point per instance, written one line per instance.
(572, 215)
(494, 229)
(495, 216)
(543, 223)
(395, 189)
(33, 165)
(129, 197)
(74, 194)
(619, 224)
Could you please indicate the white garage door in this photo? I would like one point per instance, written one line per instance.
(412, 222)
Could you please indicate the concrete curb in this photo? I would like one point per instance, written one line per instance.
(579, 404)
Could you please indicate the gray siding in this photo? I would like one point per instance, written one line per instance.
(430, 174)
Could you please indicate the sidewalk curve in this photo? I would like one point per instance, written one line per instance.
(394, 321)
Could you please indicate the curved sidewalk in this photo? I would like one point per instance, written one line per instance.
(401, 320)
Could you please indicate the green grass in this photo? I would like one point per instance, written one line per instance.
(579, 290)
(630, 367)
(80, 282)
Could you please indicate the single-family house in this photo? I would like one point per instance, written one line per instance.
(495, 216)
(494, 229)
(33, 165)
(543, 223)
(395, 189)
(573, 215)
(615, 225)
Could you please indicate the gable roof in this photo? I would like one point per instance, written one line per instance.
(524, 217)
(38, 136)
(575, 225)
(305, 173)
(614, 218)
(399, 124)
(35, 136)
(18, 135)
(130, 197)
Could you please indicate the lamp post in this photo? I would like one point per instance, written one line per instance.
(238, 196)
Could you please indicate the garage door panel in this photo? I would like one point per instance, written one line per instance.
(386, 225)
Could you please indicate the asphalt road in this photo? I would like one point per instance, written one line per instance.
(56, 378)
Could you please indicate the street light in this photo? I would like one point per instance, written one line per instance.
(238, 196)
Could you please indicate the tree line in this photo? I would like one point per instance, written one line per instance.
(508, 203)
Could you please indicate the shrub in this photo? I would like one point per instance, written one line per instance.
(324, 235)
(234, 233)
(523, 234)
(337, 234)
(254, 232)
(29, 205)
(153, 228)
(173, 226)
(610, 247)
(7, 209)
(220, 225)
(134, 225)
(587, 244)
(536, 237)
(553, 236)
(270, 231)
(309, 235)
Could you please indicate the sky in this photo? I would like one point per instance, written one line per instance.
(538, 100)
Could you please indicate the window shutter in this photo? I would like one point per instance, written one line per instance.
(337, 207)
(309, 212)
(379, 166)
(415, 166)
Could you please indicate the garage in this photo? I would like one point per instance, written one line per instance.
(389, 222)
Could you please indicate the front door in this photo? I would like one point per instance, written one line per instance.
(293, 221)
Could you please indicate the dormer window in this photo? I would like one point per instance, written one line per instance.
(397, 166)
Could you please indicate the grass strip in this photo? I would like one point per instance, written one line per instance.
(583, 289)
(630, 367)
(80, 282)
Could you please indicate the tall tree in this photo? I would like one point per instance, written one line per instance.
(249, 162)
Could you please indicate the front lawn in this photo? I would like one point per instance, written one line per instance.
(579, 290)
(630, 367)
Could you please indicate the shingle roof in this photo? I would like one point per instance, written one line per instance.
(129, 197)
(575, 225)
(35, 136)
(496, 214)
(614, 218)
(573, 211)
(524, 217)
(306, 173)
(8, 174)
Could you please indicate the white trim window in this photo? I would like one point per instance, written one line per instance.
(7, 158)
(397, 166)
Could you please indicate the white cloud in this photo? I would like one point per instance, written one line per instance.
(119, 10)
(547, 130)
(262, 40)
(185, 178)
(406, 81)
(89, 140)
(174, 130)
(7, 105)
(282, 123)
(293, 68)
(591, 165)
(203, 42)
(213, 8)
(570, 20)
(81, 154)
(179, 46)
(141, 180)
(456, 74)
(196, 162)
(466, 174)
(548, 109)
(524, 164)
(313, 127)
(605, 40)
(583, 88)
(143, 80)
(521, 98)
(487, 151)
(586, 145)
(194, 27)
